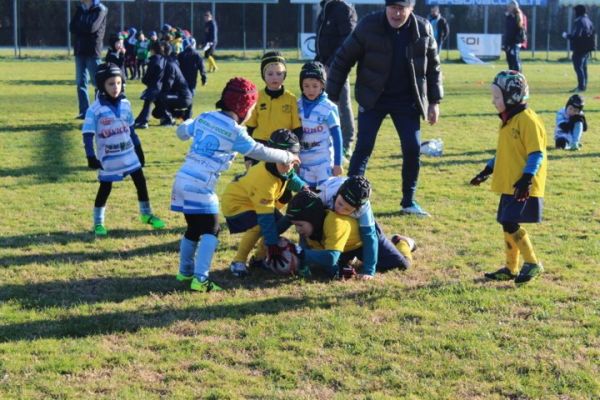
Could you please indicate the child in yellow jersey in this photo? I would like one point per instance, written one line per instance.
(276, 107)
(250, 202)
(330, 240)
(519, 175)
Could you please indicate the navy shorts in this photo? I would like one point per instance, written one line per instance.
(511, 210)
(246, 220)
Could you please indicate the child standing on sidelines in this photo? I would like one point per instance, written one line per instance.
(570, 124)
(217, 136)
(142, 49)
(321, 154)
(116, 52)
(130, 59)
(250, 203)
(118, 149)
(519, 175)
(191, 64)
(276, 107)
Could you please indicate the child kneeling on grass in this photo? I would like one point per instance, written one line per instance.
(519, 175)
(330, 241)
(119, 152)
(217, 137)
(251, 203)
(570, 124)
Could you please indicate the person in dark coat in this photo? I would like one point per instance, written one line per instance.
(175, 96)
(191, 63)
(583, 41)
(116, 52)
(334, 23)
(441, 30)
(210, 40)
(398, 74)
(153, 81)
(87, 26)
(514, 35)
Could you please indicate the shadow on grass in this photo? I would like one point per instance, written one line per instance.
(42, 82)
(63, 238)
(40, 128)
(133, 321)
(78, 257)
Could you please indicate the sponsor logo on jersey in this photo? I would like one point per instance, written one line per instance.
(106, 133)
(106, 121)
(286, 108)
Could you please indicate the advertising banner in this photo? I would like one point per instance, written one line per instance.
(475, 48)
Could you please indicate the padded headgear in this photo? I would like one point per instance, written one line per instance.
(284, 139)
(575, 101)
(271, 57)
(355, 190)
(307, 206)
(238, 96)
(513, 86)
(314, 70)
(105, 71)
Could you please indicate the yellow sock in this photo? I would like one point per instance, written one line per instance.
(512, 254)
(212, 63)
(521, 238)
(404, 249)
(249, 239)
(261, 250)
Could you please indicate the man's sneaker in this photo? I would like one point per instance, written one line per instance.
(100, 230)
(167, 122)
(238, 269)
(412, 245)
(153, 220)
(80, 116)
(141, 125)
(204, 286)
(184, 278)
(528, 273)
(503, 274)
(573, 147)
(414, 209)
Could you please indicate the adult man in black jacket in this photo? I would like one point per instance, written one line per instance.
(87, 26)
(398, 74)
(582, 38)
(334, 23)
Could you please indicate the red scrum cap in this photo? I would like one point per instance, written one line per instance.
(239, 95)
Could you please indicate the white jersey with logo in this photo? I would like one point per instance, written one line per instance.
(114, 147)
(216, 140)
(328, 190)
(317, 144)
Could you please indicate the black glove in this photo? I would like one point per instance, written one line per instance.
(275, 255)
(286, 196)
(203, 79)
(522, 187)
(93, 163)
(482, 176)
(140, 154)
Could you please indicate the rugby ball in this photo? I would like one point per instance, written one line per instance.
(290, 260)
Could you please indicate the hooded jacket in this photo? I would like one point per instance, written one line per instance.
(88, 27)
(335, 22)
(370, 45)
(582, 35)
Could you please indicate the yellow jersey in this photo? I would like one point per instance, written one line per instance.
(340, 233)
(523, 134)
(257, 190)
(271, 114)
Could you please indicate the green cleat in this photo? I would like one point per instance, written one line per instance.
(153, 220)
(100, 230)
(205, 286)
(503, 274)
(528, 273)
(184, 278)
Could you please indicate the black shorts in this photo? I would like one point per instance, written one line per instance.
(528, 211)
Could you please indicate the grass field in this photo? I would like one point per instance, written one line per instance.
(86, 318)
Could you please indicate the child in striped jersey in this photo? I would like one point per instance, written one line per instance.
(119, 152)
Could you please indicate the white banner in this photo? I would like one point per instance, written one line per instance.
(474, 46)
(308, 46)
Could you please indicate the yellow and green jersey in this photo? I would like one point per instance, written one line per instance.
(271, 114)
(340, 233)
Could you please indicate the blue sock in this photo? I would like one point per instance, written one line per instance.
(99, 215)
(577, 132)
(204, 254)
(145, 208)
(187, 250)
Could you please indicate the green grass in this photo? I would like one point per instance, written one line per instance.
(86, 318)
